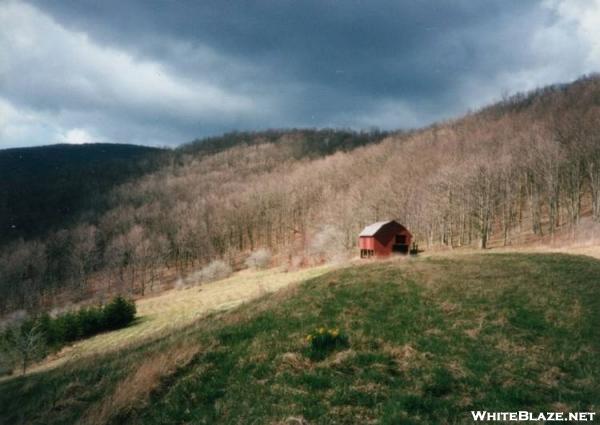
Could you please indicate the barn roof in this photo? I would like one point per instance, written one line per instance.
(371, 229)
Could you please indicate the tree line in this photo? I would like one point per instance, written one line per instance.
(36, 337)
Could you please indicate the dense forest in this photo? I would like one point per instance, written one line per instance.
(527, 165)
(46, 188)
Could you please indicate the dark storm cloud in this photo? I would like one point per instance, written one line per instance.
(213, 66)
(411, 48)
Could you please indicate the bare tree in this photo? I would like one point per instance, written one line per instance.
(24, 345)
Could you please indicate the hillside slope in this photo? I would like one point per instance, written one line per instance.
(522, 170)
(67, 202)
(429, 340)
(45, 188)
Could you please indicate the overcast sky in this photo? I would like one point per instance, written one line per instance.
(166, 72)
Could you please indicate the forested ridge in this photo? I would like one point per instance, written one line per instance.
(527, 165)
(47, 188)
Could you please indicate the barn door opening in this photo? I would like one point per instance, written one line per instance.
(400, 244)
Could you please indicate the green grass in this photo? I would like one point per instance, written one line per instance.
(429, 340)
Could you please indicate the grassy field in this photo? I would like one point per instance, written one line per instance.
(429, 340)
(171, 310)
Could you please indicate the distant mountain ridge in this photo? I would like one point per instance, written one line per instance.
(44, 188)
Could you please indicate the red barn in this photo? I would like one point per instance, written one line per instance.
(383, 238)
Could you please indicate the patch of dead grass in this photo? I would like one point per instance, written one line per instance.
(456, 369)
(292, 420)
(406, 357)
(294, 361)
(353, 414)
(473, 333)
(448, 307)
(342, 357)
(134, 391)
(561, 407)
(509, 347)
(551, 377)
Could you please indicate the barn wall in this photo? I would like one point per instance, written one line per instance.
(383, 249)
(365, 242)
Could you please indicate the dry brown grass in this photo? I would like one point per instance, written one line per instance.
(342, 357)
(134, 391)
(294, 361)
(474, 332)
(551, 377)
(293, 420)
(406, 357)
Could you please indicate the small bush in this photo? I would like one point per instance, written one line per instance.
(216, 270)
(91, 320)
(179, 284)
(118, 313)
(65, 328)
(323, 341)
(328, 245)
(260, 259)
